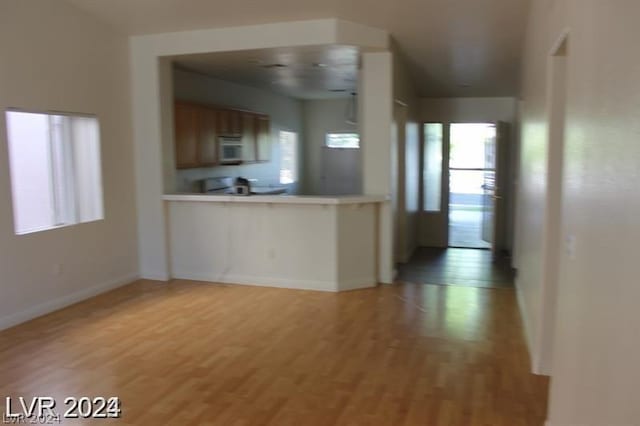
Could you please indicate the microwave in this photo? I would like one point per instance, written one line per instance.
(230, 150)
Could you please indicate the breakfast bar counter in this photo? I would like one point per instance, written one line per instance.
(278, 199)
(300, 242)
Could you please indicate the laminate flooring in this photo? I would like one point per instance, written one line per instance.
(191, 353)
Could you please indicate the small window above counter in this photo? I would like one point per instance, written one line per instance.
(198, 128)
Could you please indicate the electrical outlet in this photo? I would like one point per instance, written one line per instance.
(570, 246)
(57, 269)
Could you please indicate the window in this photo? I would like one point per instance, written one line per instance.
(343, 140)
(55, 170)
(288, 157)
(432, 174)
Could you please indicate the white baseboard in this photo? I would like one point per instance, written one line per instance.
(259, 281)
(527, 330)
(155, 277)
(61, 302)
(357, 284)
(330, 286)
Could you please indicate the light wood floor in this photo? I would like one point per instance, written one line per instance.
(193, 353)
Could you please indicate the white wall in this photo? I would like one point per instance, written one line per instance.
(378, 148)
(595, 359)
(407, 159)
(320, 118)
(55, 57)
(285, 114)
(271, 243)
(468, 110)
(148, 72)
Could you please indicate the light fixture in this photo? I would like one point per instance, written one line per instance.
(320, 65)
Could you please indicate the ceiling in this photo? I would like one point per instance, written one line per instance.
(453, 47)
(322, 72)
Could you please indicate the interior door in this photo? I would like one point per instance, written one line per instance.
(489, 189)
(494, 208)
(434, 186)
(341, 171)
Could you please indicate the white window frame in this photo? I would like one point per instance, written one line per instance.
(328, 137)
(75, 189)
(293, 178)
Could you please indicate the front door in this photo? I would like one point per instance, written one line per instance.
(463, 204)
(471, 171)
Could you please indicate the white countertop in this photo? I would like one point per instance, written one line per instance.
(278, 199)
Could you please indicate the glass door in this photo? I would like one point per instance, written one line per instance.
(489, 188)
(471, 185)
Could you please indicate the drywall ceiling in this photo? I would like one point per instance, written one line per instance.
(321, 72)
(452, 47)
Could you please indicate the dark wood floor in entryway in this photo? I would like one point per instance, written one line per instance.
(457, 267)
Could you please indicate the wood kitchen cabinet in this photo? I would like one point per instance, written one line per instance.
(196, 137)
(207, 137)
(186, 135)
(236, 127)
(229, 122)
(198, 127)
(263, 138)
(224, 128)
(248, 137)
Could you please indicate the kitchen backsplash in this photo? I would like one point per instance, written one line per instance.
(189, 180)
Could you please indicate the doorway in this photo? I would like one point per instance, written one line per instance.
(472, 171)
(463, 192)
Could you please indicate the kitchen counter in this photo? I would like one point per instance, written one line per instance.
(278, 199)
(299, 242)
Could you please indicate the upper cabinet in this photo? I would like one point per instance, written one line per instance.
(198, 127)
(248, 137)
(229, 123)
(263, 138)
(186, 135)
(207, 137)
(235, 123)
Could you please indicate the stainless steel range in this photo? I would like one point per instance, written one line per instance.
(227, 185)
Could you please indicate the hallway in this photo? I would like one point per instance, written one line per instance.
(196, 353)
(465, 228)
(456, 267)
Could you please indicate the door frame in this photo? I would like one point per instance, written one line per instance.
(436, 233)
(553, 229)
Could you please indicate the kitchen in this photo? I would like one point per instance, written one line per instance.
(235, 111)
(257, 193)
